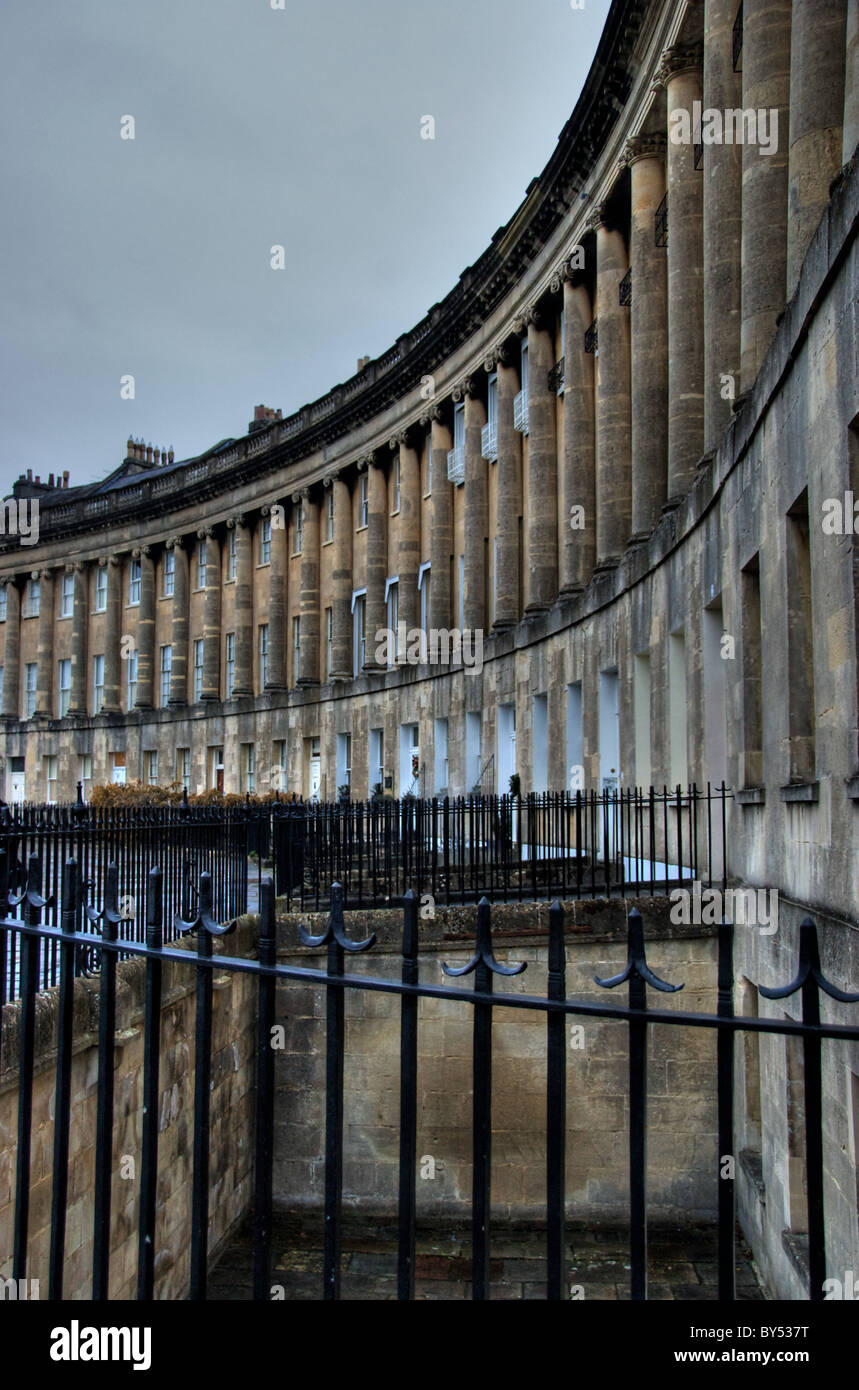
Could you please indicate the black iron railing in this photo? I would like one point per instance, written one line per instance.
(186, 840)
(481, 999)
(567, 844)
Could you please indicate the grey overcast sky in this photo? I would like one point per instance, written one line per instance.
(254, 127)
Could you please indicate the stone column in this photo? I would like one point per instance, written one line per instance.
(145, 630)
(723, 188)
(44, 671)
(45, 678)
(309, 632)
(112, 636)
(80, 630)
(578, 483)
(441, 535)
(277, 583)
(850, 134)
(243, 608)
(179, 633)
(766, 85)
(681, 76)
(648, 335)
(613, 424)
(542, 587)
(409, 542)
(341, 582)
(211, 616)
(12, 654)
(817, 73)
(375, 613)
(509, 485)
(476, 508)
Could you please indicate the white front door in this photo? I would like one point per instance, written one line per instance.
(315, 770)
(16, 790)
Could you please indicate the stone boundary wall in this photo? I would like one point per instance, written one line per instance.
(231, 1147)
(682, 1163)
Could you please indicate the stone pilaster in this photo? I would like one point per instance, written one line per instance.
(211, 616)
(817, 73)
(309, 634)
(409, 536)
(723, 180)
(341, 582)
(850, 132)
(113, 636)
(577, 482)
(648, 334)
(681, 76)
(145, 630)
(12, 653)
(509, 485)
(542, 581)
(375, 616)
(179, 632)
(277, 581)
(766, 85)
(613, 424)
(441, 538)
(476, 508)
(243, 610)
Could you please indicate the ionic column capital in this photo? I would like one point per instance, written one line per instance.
(237, 522)
(367, 461)
(644, 147)
(303, 495)
(331, 478)
(140, 552)
(596, 218)
(435, 412)
(205, 533)
(174, 543)
(109, 561)
(683, 57)
(469, 386)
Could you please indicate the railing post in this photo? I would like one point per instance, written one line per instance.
(110, 918)
(334, 937)
(263, 1155)
(408, 1101)
(484, 965)
(63, 1093)
(33, 904)
(638, 975)
(810, 980)
(725, 1090)
(556, 1108)
(151, 1066)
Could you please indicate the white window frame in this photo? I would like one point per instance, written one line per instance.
(230, 665)
(265, 541)
(132, 680)
(359, 630)
(4, 597)
(169, 574)
(299, 528)
(166, 672)
(424, 581)
(101, 589)
(199, 658)
(232, 553)
(262, 644)
(134, 571)
(31, 675)
(329, 515)
(64, 686)
(296, 649)
(202, 558)
(364, 502)
(97, 683)
(67, 596)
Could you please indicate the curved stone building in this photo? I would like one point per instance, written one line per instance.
(611, 478)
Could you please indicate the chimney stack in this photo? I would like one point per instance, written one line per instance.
(170, 454)
(65, 477)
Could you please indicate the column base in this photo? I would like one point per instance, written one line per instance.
(275, 688)
(307, 684)
(606, 566)
(639, 538)
(673, 503)
(505, 625)
(341, 676)
(571, 591)
(533, 610)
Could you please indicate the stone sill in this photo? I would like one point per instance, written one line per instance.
(807, 792)
(751, 796)
(853, 788)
